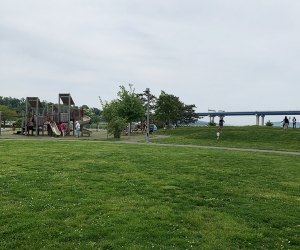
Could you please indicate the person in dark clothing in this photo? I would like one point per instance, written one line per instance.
(285, 123)
(221, 123)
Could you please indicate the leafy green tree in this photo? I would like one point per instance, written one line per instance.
(188, 115)
(94, 114)
(169, 109)
(110, 109)
(116, 124)
(7, 114)
(152, 100)
(126, 109)
(13, 103)
(130, 105)
(152, 105)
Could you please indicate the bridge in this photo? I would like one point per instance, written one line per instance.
(258, 114)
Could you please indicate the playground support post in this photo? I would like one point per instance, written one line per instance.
(37, 118)
(0, 121)
(26, 117)
(69, 110)
(23, 121)
(148, 129)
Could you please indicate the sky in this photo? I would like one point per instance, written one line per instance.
(233, 55)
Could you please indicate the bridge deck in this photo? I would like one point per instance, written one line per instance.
(248, 113)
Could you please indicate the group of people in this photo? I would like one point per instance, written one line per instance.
(286, 122)
(63, 128)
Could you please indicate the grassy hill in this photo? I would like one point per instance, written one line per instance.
(244, 137)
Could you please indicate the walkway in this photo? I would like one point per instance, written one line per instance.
(212, 147)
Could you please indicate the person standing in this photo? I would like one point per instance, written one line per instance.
(63, 128)
(218, 133)
(294, 122)
(30, 126)
(77, 128)
(285, 123)
(221, 123)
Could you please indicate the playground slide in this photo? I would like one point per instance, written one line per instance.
(85, 120)
(54, 128)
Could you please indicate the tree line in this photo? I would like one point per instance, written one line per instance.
(11, 108)
(166, 110)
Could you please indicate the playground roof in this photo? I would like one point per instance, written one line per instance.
(65, 99)
(33, 101)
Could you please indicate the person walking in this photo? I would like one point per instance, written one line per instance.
(285, 123)
(77, 128)
(294, 122)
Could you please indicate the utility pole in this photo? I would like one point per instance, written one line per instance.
(148, 100)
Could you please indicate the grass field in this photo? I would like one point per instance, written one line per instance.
(99, 195)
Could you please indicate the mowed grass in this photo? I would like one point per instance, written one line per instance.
(242, 137)
(97, 195)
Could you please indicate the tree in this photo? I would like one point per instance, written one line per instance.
(152, 101)
(13, 103)
(188, 115)
(94, 114)
(109, 109)
(7, 113)
(152, 104)
(169, 109)
(116, 124)
(130, 106)
(126, 109)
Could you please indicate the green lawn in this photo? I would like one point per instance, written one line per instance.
(97, 195)
(243, 137)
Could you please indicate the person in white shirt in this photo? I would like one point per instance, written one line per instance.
(294, 122)
(77, 128)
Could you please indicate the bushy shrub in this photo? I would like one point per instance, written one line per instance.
(269, 123)
(116, 126)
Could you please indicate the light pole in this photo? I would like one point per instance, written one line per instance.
(148, 100)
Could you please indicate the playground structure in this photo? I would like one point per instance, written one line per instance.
(39, 117)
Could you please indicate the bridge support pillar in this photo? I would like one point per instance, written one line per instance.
(263, 120)
(257, 120)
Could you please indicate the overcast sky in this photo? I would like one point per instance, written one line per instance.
(233, 55)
